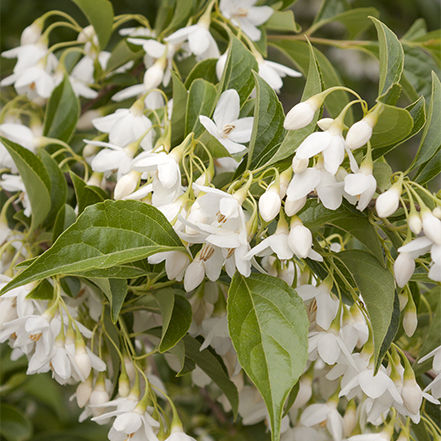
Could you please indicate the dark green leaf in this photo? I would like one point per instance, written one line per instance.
(86, 194)
(43, 291)
(238, 69)
(268, 325)
(100, 16)
(205, 69)
(430, 169)
(182, 11)
(115, 290)
(213, 366)
(377, 286)
(15, 424)
(330, 8)
(282, 21)
(105, 235)
(70, 285)
(201, 101)
(180, 96)
(382, 173)
(58, 191)
(35, 178)
(65, 218)
(62, 112)
(391, 56)
(122, 54)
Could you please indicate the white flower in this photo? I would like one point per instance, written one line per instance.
(245, 15)
(387, 202)
(320, 413)
(175, 263)
(178, 435)
(431, 226)
(436, 354)
(23, 135)
(362, 185)
(15, 183)
(126, 185)
(300, 239)
(126, 126)
(273, 73)
(215, 332)
(227, 128)
(301, 114)
(270, 203)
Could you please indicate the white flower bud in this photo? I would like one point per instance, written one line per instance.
(412, 396)
(437, 212)
(85, 121)
(387, 202)
(403, 436)
(175, 265)
(432, 227)
(299, 165)
(153, 75)
(325, 123)
(300, 240)
(32, 33)
(130, 368)
(84, 390)
(82, 359)
(90, 150)
(404, 267)
(8, 310)
(293, 207)
(123, 385)
(301, 114)
(358, 135)
(269, 204)
(98, 396)
(126, 185)
(96, 179)
(415, 223)
(350, 419)
(410, 320)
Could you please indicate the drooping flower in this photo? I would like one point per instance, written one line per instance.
(228, 128)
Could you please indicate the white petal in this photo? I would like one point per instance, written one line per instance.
(211, 127)
(199, 40)
(314, 144)
(227, 108)
(303, 183)
(242, 129)
(334, 154)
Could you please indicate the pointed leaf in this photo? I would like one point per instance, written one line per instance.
(268, 325)
(104, 235)
(115, 290)
(86, 194)
(180, 96)
(65, 218)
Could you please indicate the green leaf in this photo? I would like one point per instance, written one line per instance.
(391, 95)
(65, 218)
(176, 317)
(182, 11)
(391, 56)
(205, 69)
(382, 173)
(58, 191)
(268, 121)
(121, 54)
(393, 127)
(100, 16)
(115, 290)
(268, 325)
(106, 234)
(238, 69)
(330, 8)
(35, 178)
(417, 111)
(430, 169)
(214, 367)
(282, 21)
(431, 139)
(62, 112)
(294, 138)
(43, 291)
(15, 424)
(86, 194)
(201, 101)
(377, 286)
(180, 96)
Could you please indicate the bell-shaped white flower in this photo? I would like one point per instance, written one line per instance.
(175, 263)
(228, 128)
(360, 132)
(387, 202)
(273, 72)
(270, 203)
(245, 15)
(177, 434)
(362, 185)
(415, 222)
(300, 238)
(302, 114)
(431, 226)
(126, 185)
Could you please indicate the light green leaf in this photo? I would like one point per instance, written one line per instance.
(268, 121)
(214, 367)
(391, 56)
(293, 138)
(58, 191)
(121, 54)
(86, 194)
(268, 325)
(382, 173)
(282, 21)
(431, 139)
(100, 16)
(65, 218)
(418, 29)
(393, 127)
(15, 424)
(205, 69)
(182, 11)
(115, 290)
(430, 169)
(180, 96)
(35, 178)
(238, 69)
(176, 317)
(377, 286)
(201, 101)
(62, 112)
(105, 235)
(330, 8)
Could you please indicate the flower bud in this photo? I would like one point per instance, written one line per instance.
(387, 202)
(293, 207)
(301, 114)
(99, 396)
(153, 75)
(85, 121)
(415, 223)
(130, 368)
(123, 385)
(300, 240)
(126, 185)
(270, 203)
(84, 390)
(431, 226)
(96, 179)
(412, 396)
(82, 358)
(360, 132)
(90, 150)
(299, 165)
(8, 310)
(410, 320)
(175, 264)
(32, 33)
(404, 267)
(403, 436)
(437, 212)
(350, 418)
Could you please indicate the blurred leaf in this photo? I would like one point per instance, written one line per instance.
(329, 9)
(100, 16)
(15, 424)
(35, 178)
(282, 21)
(430, 170)
(62, 112)
(141, 230)
(391, 56)
(182, 12)
(201, 101)
(115, 290)
(121, 54)
(268, 325)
